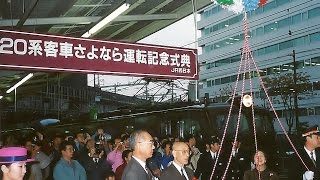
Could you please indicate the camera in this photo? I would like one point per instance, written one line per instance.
(99, 147)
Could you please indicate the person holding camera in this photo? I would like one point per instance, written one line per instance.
(114, 158)
(94, 163)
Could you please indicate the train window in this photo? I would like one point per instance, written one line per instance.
(221, 120)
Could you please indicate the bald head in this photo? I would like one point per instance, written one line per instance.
(181, 153)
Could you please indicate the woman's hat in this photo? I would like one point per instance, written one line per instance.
(10, 155)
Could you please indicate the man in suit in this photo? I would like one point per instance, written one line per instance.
(141, 142)
(309, 154)
(240, 160)
(207, 160)
(177, 169)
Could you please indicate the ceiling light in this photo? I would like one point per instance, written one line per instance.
(1, 97)
(19, 83)
(96, 28)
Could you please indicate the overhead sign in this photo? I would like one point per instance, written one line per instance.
(40, 52)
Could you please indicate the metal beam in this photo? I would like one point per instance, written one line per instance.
(85, 20)
(183, 11)
(147, 13)
(26, 14)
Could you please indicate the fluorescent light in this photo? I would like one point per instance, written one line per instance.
(1, 97)
(19, 83)
(95, 29)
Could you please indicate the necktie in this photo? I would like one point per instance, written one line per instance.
(183, 176)
(148, 173)
(312, 159)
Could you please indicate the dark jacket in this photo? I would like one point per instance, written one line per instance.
(172, 172)
(297, 169)
(264, 175)
(239, 164)
(134, 171)
(96, 170)
(205, 166)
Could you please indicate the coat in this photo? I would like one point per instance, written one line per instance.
(134, 171)
(297, 169)
(264, 175)
(172, 172)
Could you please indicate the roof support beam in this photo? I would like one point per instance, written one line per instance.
(183, 11)
(86, 19)
(147, 13)
(26, 14)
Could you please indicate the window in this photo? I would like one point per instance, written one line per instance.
(225, 80)
(284, 22)
(315, 61)
(208, 83)
(281, 2)
(298, 42)
(285, 45)
(317, 110)
(271, 49)
(315, 37)
(296, 19)
(269, 6)
(314, 12)
(217, 81)
(303, 112)
(259, 31)
(270, 27)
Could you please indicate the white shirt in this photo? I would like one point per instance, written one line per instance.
(142, 163)
(179, 169)
(308, 152)
(213, 154)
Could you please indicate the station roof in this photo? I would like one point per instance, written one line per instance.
(75, 17)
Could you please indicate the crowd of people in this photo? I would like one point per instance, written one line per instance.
(139, 156)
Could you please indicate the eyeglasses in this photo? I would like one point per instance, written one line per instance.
(147, 142)
(184, 151)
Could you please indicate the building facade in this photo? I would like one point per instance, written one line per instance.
(275, 30)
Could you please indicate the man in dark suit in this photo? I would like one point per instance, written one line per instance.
(141, 142)
(309, 154)
(177, 169)
(207, 160)
(240, 160)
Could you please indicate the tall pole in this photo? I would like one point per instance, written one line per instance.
(295, 94)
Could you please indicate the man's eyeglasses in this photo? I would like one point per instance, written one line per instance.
(184, 151)
(147, 142)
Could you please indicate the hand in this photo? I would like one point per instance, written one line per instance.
(92, 152)
(308, 175)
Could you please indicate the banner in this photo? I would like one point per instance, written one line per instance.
(40, 52)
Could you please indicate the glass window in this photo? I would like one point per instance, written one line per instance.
(269, 6)
(284, 22)
(315, 37)
(304, 16)
(208, 83)
(314, 12)
(271, 49)
(299, 64)
(225, 80)
(217, 81)
(261, 52)
(315, 61)
(233, 78)
(296, 19)
(285, 45)
(235, 59)
(270, 27)
(298, 42)
(281, 2)
(317, 109)
(311, 111)
(303, 112)
(258, 11)
(212, 83)
(259, 31)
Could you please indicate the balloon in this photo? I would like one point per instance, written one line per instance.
(250, 5)
(225, 2)
(262, 2)
(237, 7)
